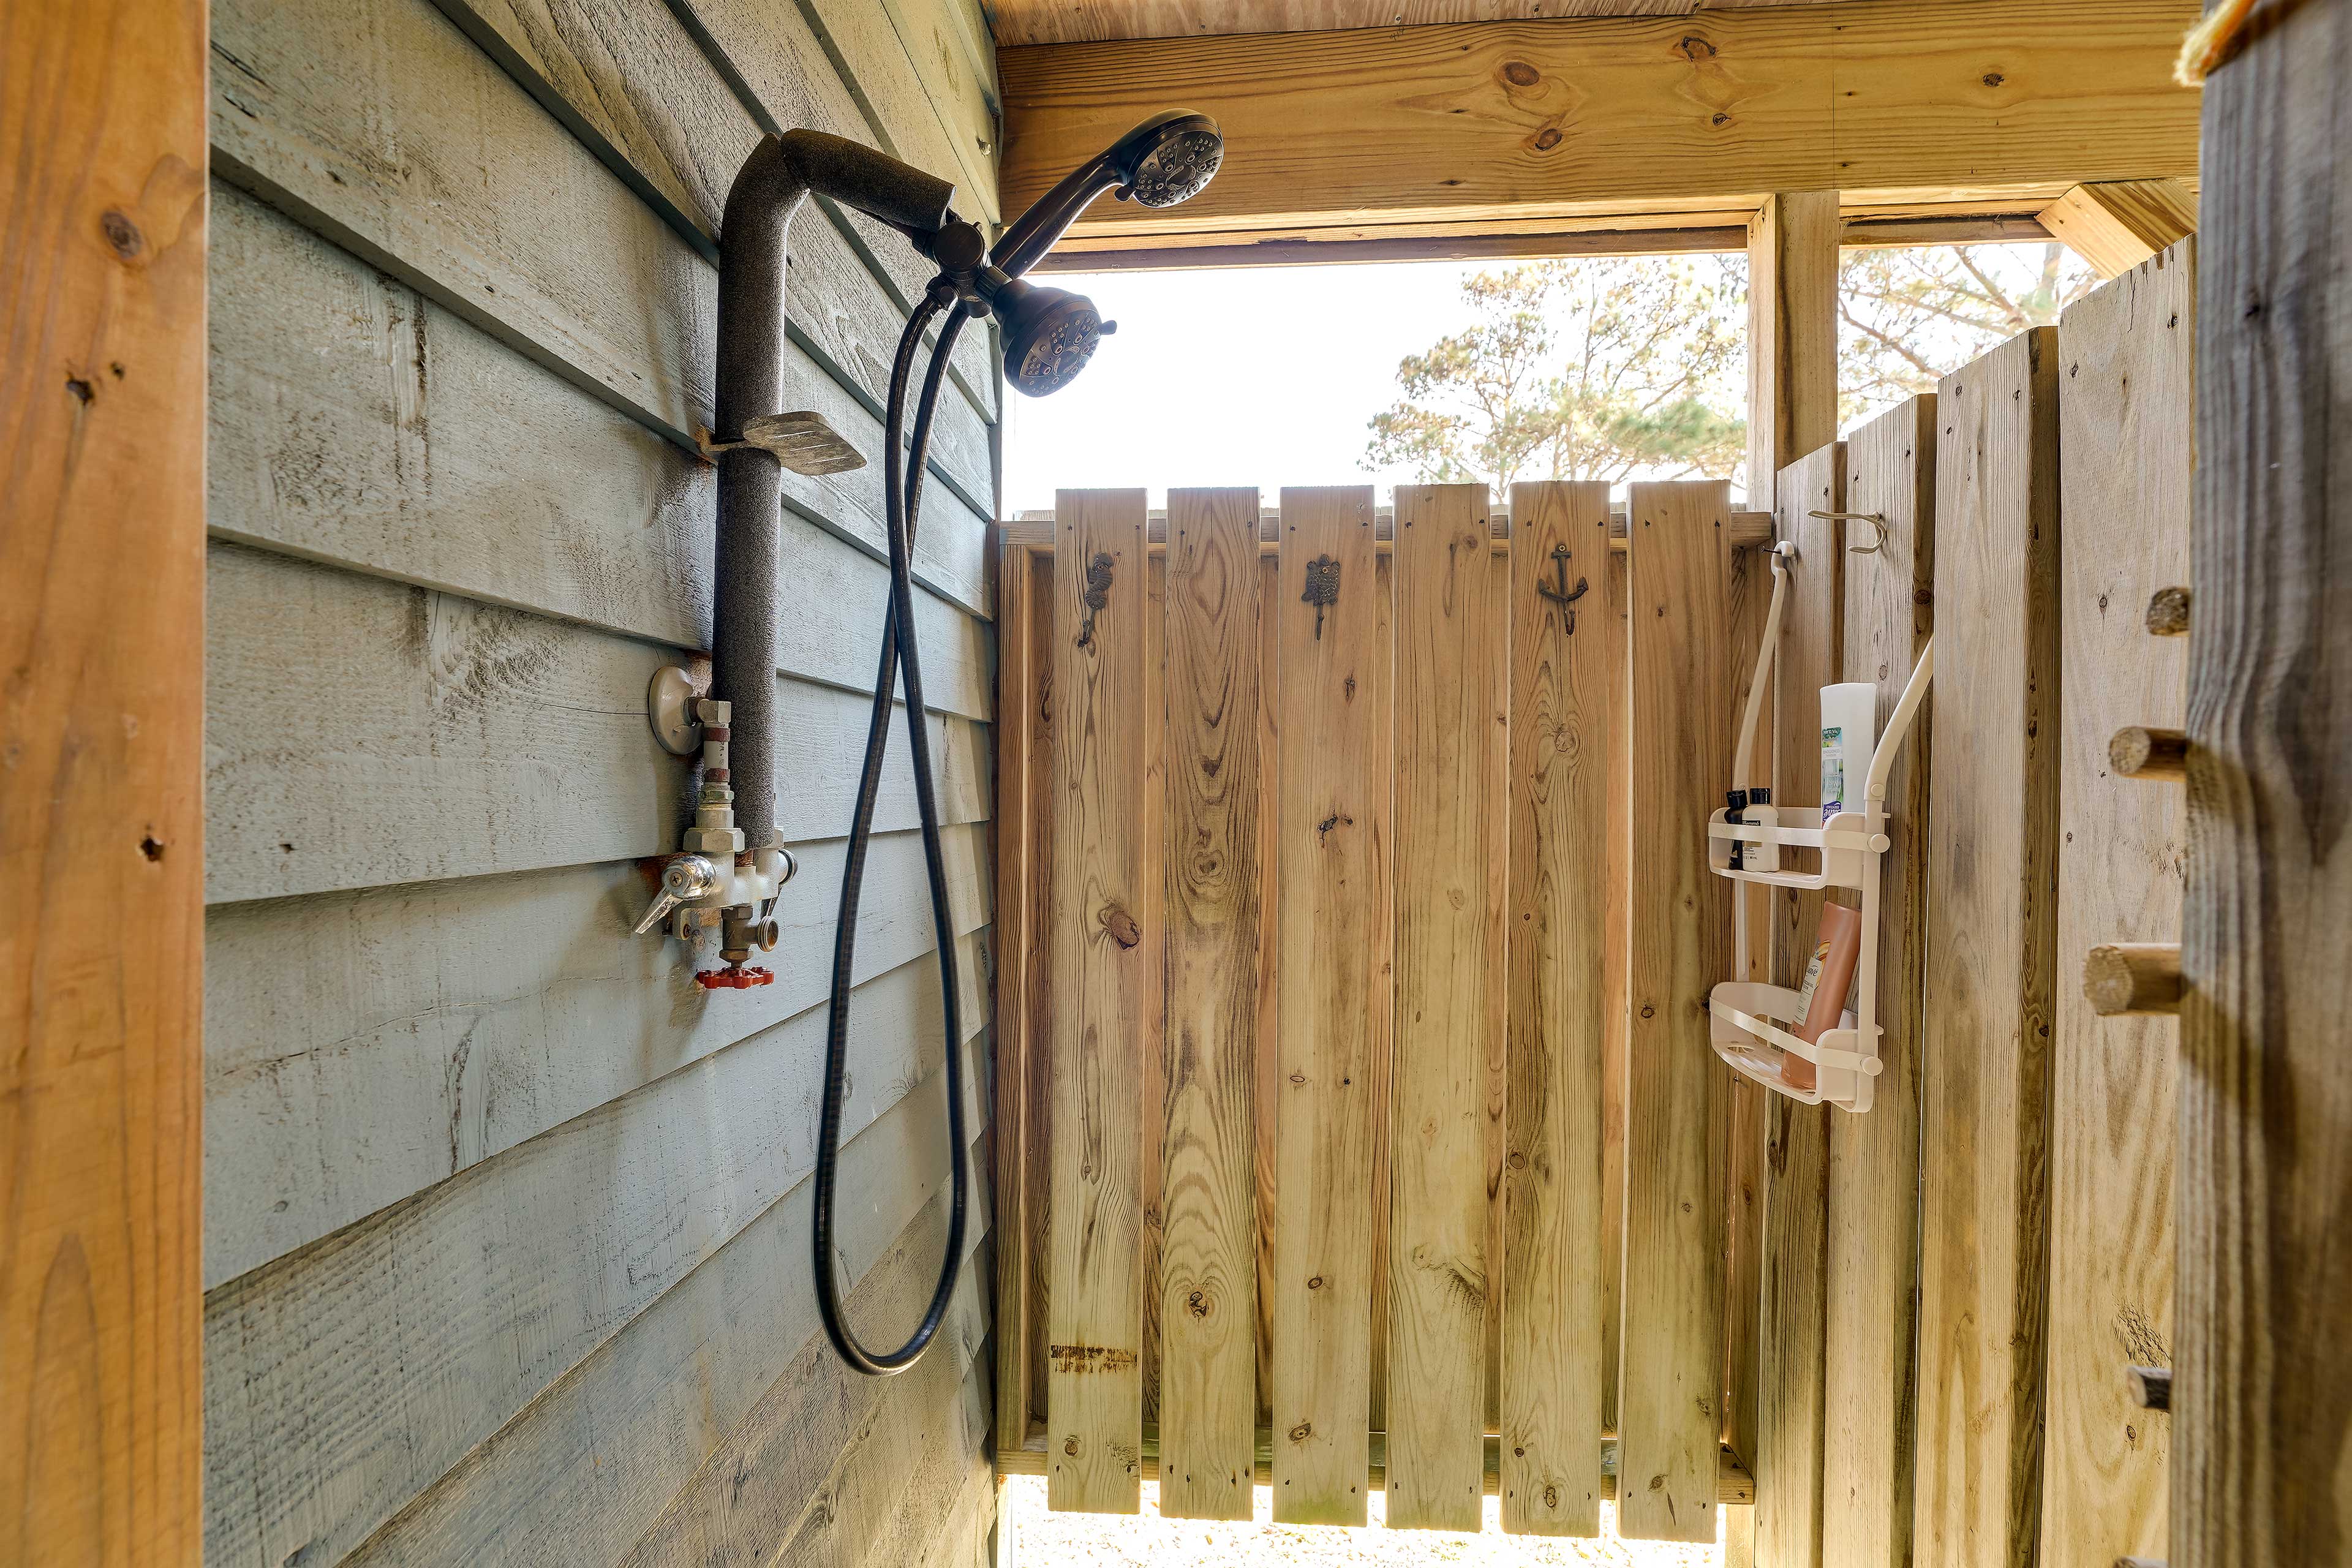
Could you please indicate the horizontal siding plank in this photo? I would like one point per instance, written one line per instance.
(791, 79)
(631, 81)
(463, 1017)
(756, 1483)
(594, 1462)
(485, 205)
(364, 734)
(934, 118)
(345, 1379)
(351, 421)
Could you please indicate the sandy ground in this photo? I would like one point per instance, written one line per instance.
(1045, 1539)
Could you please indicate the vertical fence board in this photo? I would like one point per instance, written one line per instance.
(1496, 786)
(1871, 1261)
(1017, 865)
(1333, 997)
(1208, 1281)
(1446, 624)
(1148, 802)
(2126, 407)
(1991, 963)
(1034, 713)
(1566, 695)
(1789, 1328)
(1104, 965)
(1616, 616)
(1269, 1056)
(1669, 1388)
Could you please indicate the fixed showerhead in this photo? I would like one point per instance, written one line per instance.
(1049, 335)
(1165, 160)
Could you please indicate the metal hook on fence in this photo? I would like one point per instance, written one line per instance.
(1564, 596)
(1876, 519)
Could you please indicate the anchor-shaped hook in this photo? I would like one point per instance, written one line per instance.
(1564, 596)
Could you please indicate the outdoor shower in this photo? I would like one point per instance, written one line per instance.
(734, 862)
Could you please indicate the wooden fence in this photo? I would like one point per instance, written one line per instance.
(1357, 1123)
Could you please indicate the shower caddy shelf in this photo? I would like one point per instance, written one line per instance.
(1852, 845)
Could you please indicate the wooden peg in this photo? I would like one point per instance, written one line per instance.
(2140, 752)
(2152, 1386)
(2133, 979)
(2168, 612)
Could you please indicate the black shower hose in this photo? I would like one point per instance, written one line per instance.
(902, 488)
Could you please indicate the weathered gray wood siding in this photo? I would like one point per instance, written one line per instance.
(506, 1222)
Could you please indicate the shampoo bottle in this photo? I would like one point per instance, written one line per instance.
(1829, 977)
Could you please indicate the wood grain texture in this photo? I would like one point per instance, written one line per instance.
(1446, 620)
(1044, 807)
(444, 738)
(787, 1477)
(102, 630)
(1873, 1249)
(1567, 722)
(2120, 223)
(1101, 950)
(352, 421)
(1269, 1082)
(2261, 1469)
(631, 82)
(938, 117)
(1497, 118)
(1791, 1321)
(1669, 1412)
(1208, 1273)
(1020, 868)
(1333, 927)
(1150, 810)
(1024, 22)
(469, 1016)
(584, 1474)
(603, 292)
(1991, 965)
(2127, 412)
(335, 1402)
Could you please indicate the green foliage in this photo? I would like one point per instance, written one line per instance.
(1594, 370)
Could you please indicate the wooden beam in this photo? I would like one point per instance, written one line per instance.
(1558, 118)
(2260, 1469)
(1035, 531)
(1734, 1485)
(1019, 22)
(1657, 233)
(2119, 224)
(101, 632)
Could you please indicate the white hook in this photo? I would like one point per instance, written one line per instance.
(1875, 520)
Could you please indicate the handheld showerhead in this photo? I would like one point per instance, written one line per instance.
(1165, 160)
(1049, 335)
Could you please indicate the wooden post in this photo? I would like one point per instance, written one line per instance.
(1792, 273)
(2116, 225)
(2143, 751)
(102, 120)
(1017, 683)
(2261, 1464)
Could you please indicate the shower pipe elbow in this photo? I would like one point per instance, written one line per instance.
(778, 176)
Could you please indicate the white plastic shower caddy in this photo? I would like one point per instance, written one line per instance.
(1742, 1016)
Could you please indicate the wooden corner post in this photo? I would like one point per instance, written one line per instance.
(101, 784)
(2260, 1467)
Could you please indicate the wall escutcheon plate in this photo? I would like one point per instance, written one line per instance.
(669, 708)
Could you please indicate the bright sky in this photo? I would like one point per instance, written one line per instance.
(1267, 376)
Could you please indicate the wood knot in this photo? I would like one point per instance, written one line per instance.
(1994, 79)
(1199, 1304)
(1315, 1283)
(1304, 1430)
(1551, 1497)
(1692, 48)
(1648, 1011)
(1070, 1446)
(1547, 138)
(1519, 73)
(122, 235)
(1122, 926)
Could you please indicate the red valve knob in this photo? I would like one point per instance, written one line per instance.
(733, 978)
